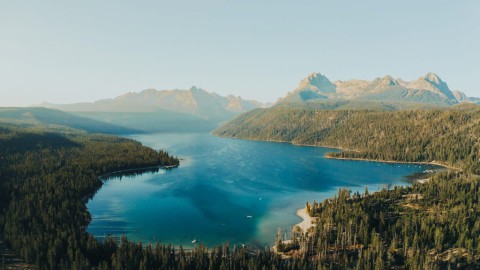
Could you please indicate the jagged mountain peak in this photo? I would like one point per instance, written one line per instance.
(432, 82)
(315, 79)
(432, 77)
(314, 86)
(316, 82)
(195, 88)
(387, 80)
(315, 75)
(460, 96)
(426, 89)
(195, 101)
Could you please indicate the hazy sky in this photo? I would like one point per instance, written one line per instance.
(71, 51)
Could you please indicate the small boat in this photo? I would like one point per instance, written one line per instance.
(249, 216)
(194, 241)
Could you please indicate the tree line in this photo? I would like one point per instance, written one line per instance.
(433, 225)
(448, 135)
(46, 178)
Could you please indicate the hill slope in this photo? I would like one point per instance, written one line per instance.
(450, 136)
(157, 121)
(47, 177)
(32, 117)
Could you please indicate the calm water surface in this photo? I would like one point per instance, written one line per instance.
(228, 190)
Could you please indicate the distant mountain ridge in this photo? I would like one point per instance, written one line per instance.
(194, 101)
(54, 119)
(427, 89)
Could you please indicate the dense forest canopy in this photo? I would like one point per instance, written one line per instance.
(45, 180)
(449, 136)
(48, 173)
(433, 225)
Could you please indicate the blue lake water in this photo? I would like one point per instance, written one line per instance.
(221, 183)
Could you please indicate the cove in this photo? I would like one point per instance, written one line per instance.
(229, 190)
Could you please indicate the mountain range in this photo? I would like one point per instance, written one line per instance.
(194, 101)
(429, 89)
(197, 110)
(152, 110)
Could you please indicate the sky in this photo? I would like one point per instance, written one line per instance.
(82, 51)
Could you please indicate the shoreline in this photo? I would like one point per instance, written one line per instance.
(286, 142)
(105, 177)
(307, 220)
(393, 161)
(167, 167)
(345, 149)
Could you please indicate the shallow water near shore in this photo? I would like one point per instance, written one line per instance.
(229, 190)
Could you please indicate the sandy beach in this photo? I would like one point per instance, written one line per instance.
(307, 221)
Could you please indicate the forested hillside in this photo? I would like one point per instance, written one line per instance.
(41, 117)
(450, 136)
(45, 180)
(433, 225)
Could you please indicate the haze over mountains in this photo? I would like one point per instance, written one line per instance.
(57, 120)
(429, 89)
(151, 110)
(194, 101)
(197, 110)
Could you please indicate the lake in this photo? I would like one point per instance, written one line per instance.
(229, 190)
